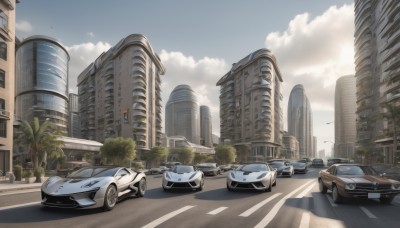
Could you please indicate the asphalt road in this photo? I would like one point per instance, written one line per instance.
(294, 202)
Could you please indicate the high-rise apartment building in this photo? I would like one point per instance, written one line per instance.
(377, 60)
(205, 126)
(7, 79)
(250, 104)
(74, 129)
(345, 117)
(300, 120)
(182, 115)
(42, 81)
(120, 94)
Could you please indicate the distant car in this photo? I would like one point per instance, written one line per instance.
(209, 169)
(93, 186)
(284, 168)
(357, 181)
(299, 167)
(258, 176)
(392, 173)
(307, 161)
(158, 170)
(183, 177)
(317, 162)
(225, 168)
(332, 161)
(380, 167)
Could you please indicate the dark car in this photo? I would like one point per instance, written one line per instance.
(284, 168)
(332, 161)
(392, 173)
(317, 162)
(209, 169)
(357, 181)
(299, 167)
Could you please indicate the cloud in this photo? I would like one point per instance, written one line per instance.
(91, 34)
(23, 26)
(201, 75)
(81, 56)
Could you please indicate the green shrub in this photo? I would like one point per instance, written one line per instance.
(27, 173)
(17, 170)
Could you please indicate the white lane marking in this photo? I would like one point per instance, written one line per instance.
(166, 217)
(216, 211)
(303, 193)
(368, 213)
(19, 192)
(18, 205)
(268, 218)
(333, 204)
(305, 220)
(257, 206)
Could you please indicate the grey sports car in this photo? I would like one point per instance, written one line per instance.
(258, 176)
(90, 187)
(183, 177)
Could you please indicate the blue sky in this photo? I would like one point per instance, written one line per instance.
(199, 40)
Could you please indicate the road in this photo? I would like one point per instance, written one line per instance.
(294, 202)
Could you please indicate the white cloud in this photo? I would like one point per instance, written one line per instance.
(81, 55)
(201, 75)
(91, 34)
(23, 26)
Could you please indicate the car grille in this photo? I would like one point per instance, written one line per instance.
(59, 201)
(247, 185)
(370, 186)
(181, 185)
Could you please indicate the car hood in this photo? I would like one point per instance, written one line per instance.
(247, 176)
(365, 179)
(62, 186)
(182, 176)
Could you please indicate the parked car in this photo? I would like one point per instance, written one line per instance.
(209, 169)
(225, 168)
(158, 170)
(258, 176)
(284, 168)
(183, 177)
(317, 162)
(299, 167)
(381, 167)
(332, 161)
(357, 181)
(392, 173)
(306, 160)
(93, 186)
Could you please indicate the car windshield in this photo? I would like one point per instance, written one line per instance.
(94, 172)
(253, 168)
(277, 164)
(298, 164)
(182, 169)
(355, 170)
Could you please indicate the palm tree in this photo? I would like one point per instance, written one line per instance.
(42, 141)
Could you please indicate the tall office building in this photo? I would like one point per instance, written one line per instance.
(300, 120)
(42, 81)
(345, 117)
(205, 126)
(377, 29)
(182, 116)
(7, 79)
(74, 122)
(250, 104)
(120, 94)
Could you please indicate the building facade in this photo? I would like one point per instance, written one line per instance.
(250, 105)
(290, 149)
(120, 94)
(345, 117)
(205, 126)
(74, 129)
(377, 60)
(182, 115)
(7, 80)
(300, 120)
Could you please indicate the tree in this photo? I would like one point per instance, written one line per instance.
(242, 152)
(225, 154)
(42, 142)
(118, 151)
(157, 154)
(185, 155)
(200, 158)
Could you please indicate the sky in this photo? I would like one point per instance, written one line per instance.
(198, 41)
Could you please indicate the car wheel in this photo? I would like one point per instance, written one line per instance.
(201, 185)
(269, 189)
(322, 187)
(227, 187)
(142, 185)
(386, 200)
(110, 198)
(165, 190)
(337, 198)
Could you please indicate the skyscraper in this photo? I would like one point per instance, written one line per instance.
(74, 122)
(205, 126)
(300, 120)
(120, 95)
(250, 104)
(182, 116)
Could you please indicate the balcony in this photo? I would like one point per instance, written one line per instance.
(4, 114)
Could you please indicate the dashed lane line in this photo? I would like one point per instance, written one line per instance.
(216, 211)
(167, 217)
(333, 204)
(259, 205)
(368, 213)
(303, 193)
(18, 205)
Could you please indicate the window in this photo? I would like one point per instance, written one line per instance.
(3, 128)
(3, 20)
(2, 79)
(3, 49)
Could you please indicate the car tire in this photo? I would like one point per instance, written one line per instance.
(386, 200)
(142, 186)
(337, 198)
(322, 188)
(201, 185)
(110, 198)
(269, 189)
(274, 184)
(229, 188)
(165, 190)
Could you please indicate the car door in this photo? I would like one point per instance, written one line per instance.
(123, 179)
(329, 177)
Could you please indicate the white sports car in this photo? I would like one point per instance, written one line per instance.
(258, 176)
(183, 177)
(89, 187)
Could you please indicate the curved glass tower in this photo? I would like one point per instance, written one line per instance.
(182, 115)
(205, 126)
(41, 84)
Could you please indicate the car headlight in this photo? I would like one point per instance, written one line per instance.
(350, 186)
(193, 175)
(47, 182)
(396, 186)
(167, 175)
(90, 184)
(262, 176)
(233, 175)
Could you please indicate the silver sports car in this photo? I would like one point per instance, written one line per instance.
(183, 177)
(258, 176)
(90, 187)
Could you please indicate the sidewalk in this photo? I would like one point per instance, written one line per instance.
(6, 186)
